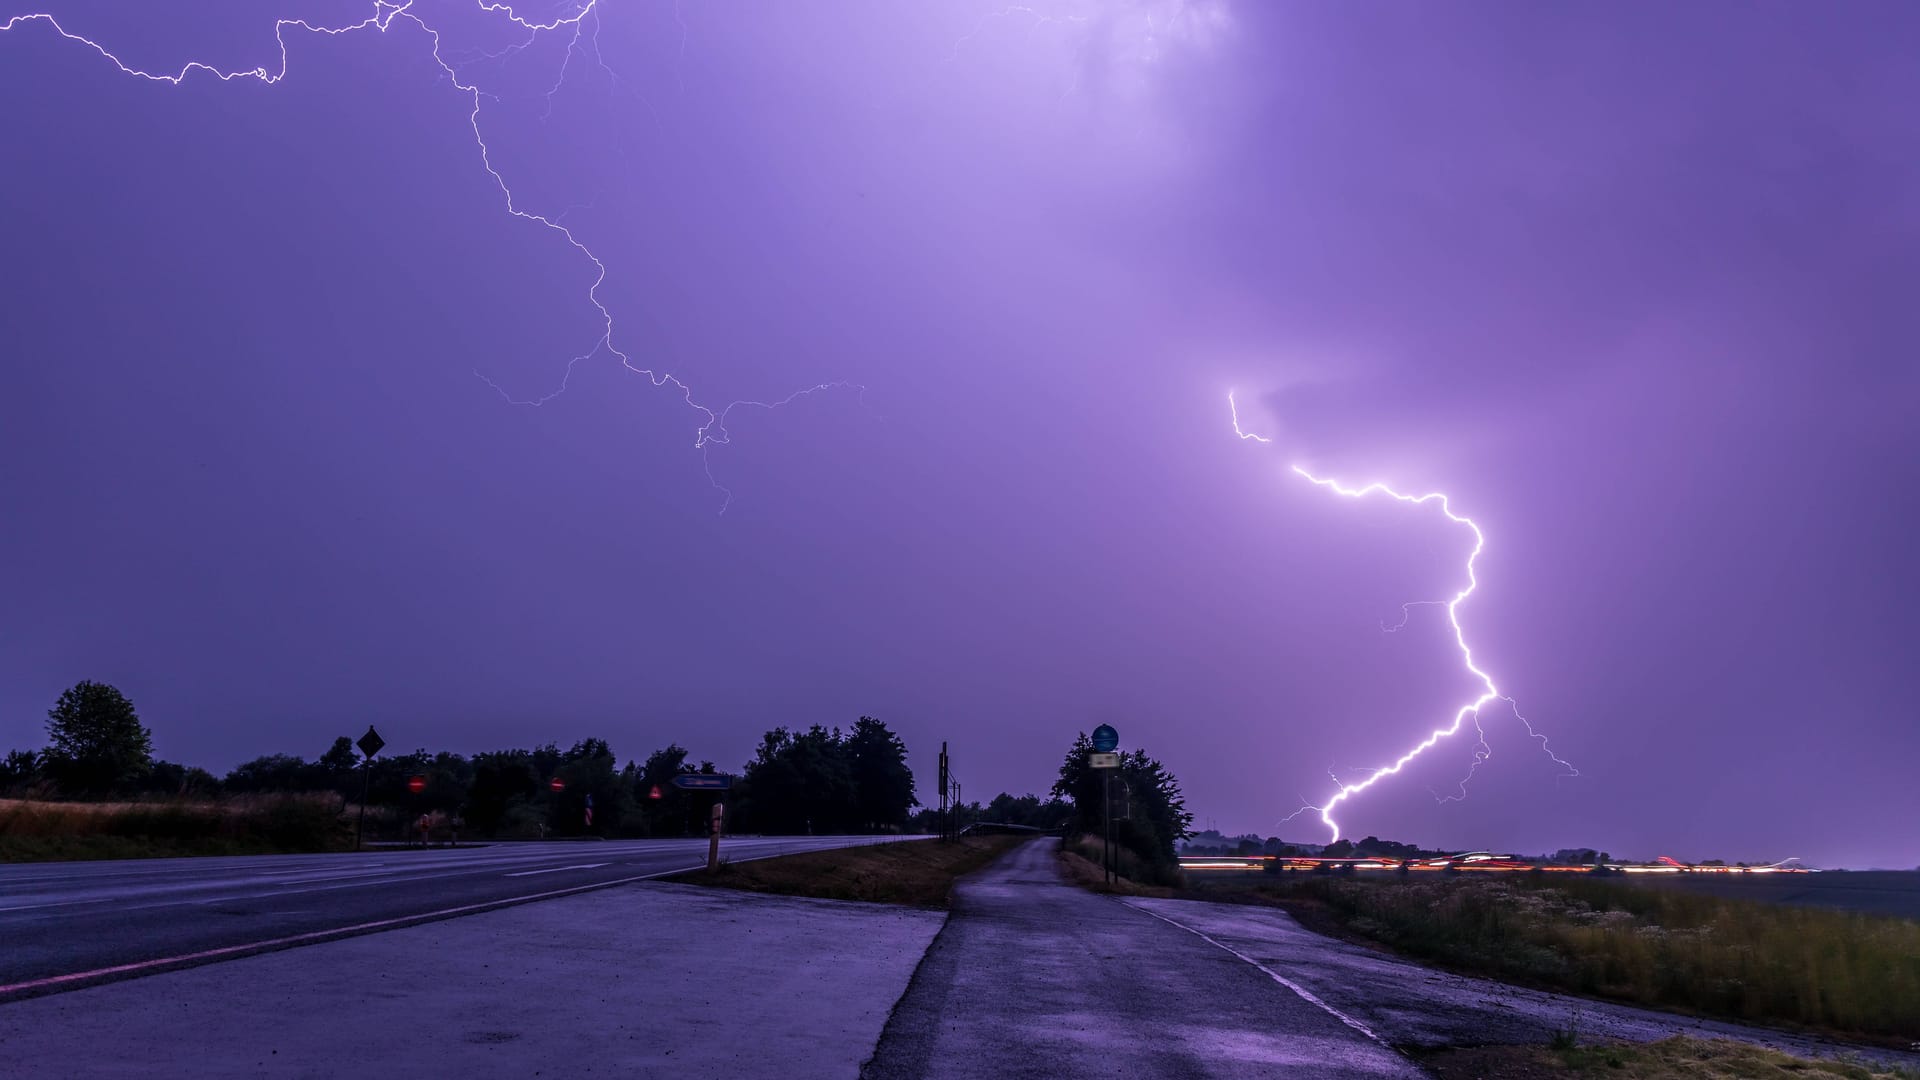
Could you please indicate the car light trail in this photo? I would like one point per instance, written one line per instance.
(1470, 862)
(1490, 692)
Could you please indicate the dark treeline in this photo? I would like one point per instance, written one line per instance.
(818, 780)
(1049, 815)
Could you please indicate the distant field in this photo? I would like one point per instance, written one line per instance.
(1870, 892)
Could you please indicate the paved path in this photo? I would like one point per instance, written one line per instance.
(60, 923)
(639, 982)
(1033, 977)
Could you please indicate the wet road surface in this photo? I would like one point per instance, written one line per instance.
(64, 925)
(1033, 977)
(1410, 1005)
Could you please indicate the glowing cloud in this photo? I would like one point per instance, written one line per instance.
(713, 424)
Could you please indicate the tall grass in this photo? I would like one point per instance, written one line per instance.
(35, 829)
(1839, 971)
(1128, 862)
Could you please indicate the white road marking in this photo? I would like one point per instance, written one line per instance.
(557, 869)
(1304, 994)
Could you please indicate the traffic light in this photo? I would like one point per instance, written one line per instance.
(416, 784)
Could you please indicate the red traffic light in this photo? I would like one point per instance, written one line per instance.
(655, 793)
(416, 784)
(557, 784)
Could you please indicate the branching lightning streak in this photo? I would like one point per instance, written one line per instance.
(1490, 692)
(712, 429)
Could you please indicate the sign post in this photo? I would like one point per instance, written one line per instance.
(713, 841)
(1105, 741)
(369, 744)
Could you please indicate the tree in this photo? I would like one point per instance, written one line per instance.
(799, 783)
(97, 740)
(172, 778)
(270, 772)
(589, 769)
(882, 783)
(503, 781)
(339, 768)
(1157, 819)
(19, 767)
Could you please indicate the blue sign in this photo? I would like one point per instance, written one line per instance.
(714, 781)
(1105, 739)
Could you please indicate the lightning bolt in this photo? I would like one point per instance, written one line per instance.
(712, 429)
(1490, 691)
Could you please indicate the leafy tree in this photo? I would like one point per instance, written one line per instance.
(799, 783)
(1157, 816)
(339, 768)
(18, 768)
(502, 781)
(674, 812)
(171, 778)
(588, 768)
(1028, 810)
(271, 772)
(882, 783)
(97, 740)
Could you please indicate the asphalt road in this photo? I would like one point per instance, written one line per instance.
(66, 925)
(1033, 977)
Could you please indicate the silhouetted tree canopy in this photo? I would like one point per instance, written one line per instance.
(1156, 812)
(95, 740)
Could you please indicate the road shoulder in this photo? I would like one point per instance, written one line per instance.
(648, 980)
(1410, 1005)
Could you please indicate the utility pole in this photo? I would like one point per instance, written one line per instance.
(945, 830)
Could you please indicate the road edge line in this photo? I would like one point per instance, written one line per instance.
(1303, 993)
(31, 987)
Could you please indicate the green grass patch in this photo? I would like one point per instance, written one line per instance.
(34, 830)
(918, 872)
(1840, 972)
(1678, 1058)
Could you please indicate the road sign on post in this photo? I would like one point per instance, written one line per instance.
(703, 781)
(369, 744)
(1105, 741)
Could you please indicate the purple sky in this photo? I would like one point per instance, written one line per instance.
(1633, 283)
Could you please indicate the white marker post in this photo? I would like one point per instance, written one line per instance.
(713, 841)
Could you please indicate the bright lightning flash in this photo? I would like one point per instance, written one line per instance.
(712, 429)
(1490, 692)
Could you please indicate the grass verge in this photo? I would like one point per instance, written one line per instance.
(1841, 973)
(34, 830)
(917, 872)
(1678, 1058)
(1081, 860)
